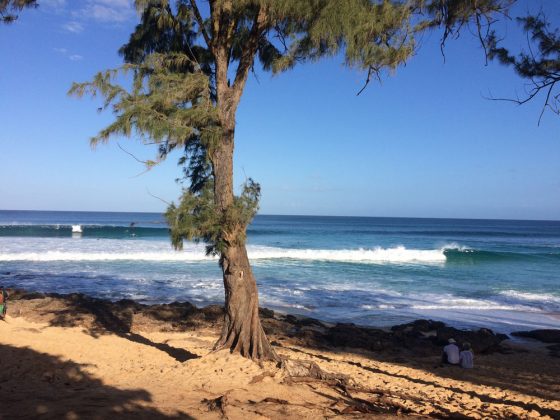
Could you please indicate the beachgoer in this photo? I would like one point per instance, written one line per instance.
(466, 356)
(450, 353)
(3, 302)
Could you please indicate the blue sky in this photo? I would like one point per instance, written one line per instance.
(423, 143)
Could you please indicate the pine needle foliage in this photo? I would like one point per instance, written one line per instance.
(455, 15)
(196, 218)
(165, 105)
(189, 67)
(539, 64)
(9, 9)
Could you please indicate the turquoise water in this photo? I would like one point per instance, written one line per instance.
(371, 271)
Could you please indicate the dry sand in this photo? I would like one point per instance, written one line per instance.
(70, 372)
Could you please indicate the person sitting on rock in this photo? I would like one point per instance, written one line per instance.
(466, 356)
(450, 354)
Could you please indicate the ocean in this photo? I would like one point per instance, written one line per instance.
(501, 274)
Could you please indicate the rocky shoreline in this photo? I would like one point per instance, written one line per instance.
(421, 337)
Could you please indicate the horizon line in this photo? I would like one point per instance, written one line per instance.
(300, 215)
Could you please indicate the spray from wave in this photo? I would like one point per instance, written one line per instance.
(137, 252)
(544, 301)
(50, 249)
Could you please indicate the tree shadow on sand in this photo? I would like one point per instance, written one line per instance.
(497, 367)
(99, 317)
(406, 347)
(450, 372)
(36, 385)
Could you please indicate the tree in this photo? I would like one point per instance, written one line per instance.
(10, 8)
(189, 72)
(540, 65)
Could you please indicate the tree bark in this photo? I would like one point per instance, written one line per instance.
(242, 331)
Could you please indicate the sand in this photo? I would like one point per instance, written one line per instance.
(71, 372)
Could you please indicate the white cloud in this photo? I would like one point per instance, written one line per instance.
(80, 12)
(65, 53)
(107, 11)
(116, 3)
(74, 27)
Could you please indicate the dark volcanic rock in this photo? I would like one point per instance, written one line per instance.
(310, 337)
(128, 303)
(414, 336)
(554, 350)
(16, 294)
(266, 313)
(349, 335)
(420, 325)
(546, 336)
(482, 340)
(167, 312)
(303, 321)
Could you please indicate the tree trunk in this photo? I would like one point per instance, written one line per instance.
(242, 331)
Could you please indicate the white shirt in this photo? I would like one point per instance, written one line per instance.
(452, 352)
(466, 358)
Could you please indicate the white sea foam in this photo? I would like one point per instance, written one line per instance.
(375, 307)
(102, 256)
(473, 307)
(116, 250)
(531, 297)
(451, 302)
(398, 254)
(455, 245)
(445, 302)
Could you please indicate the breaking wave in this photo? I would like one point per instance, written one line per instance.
(140, 249)
(196, 253)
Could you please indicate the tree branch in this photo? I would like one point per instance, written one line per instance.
(144, 162)
(215, 19)
(159, 198)
(200, 22)
(371, 71)
(546, 103)
(537, 88)
(249, 52)
(481, 38)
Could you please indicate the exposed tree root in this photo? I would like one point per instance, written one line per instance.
(217, 404)
(379, 401)
(242, 332)
(247, 339)
(349, 399)
(303, 371)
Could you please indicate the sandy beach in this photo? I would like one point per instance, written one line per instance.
(73, 357)
(296, 209)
